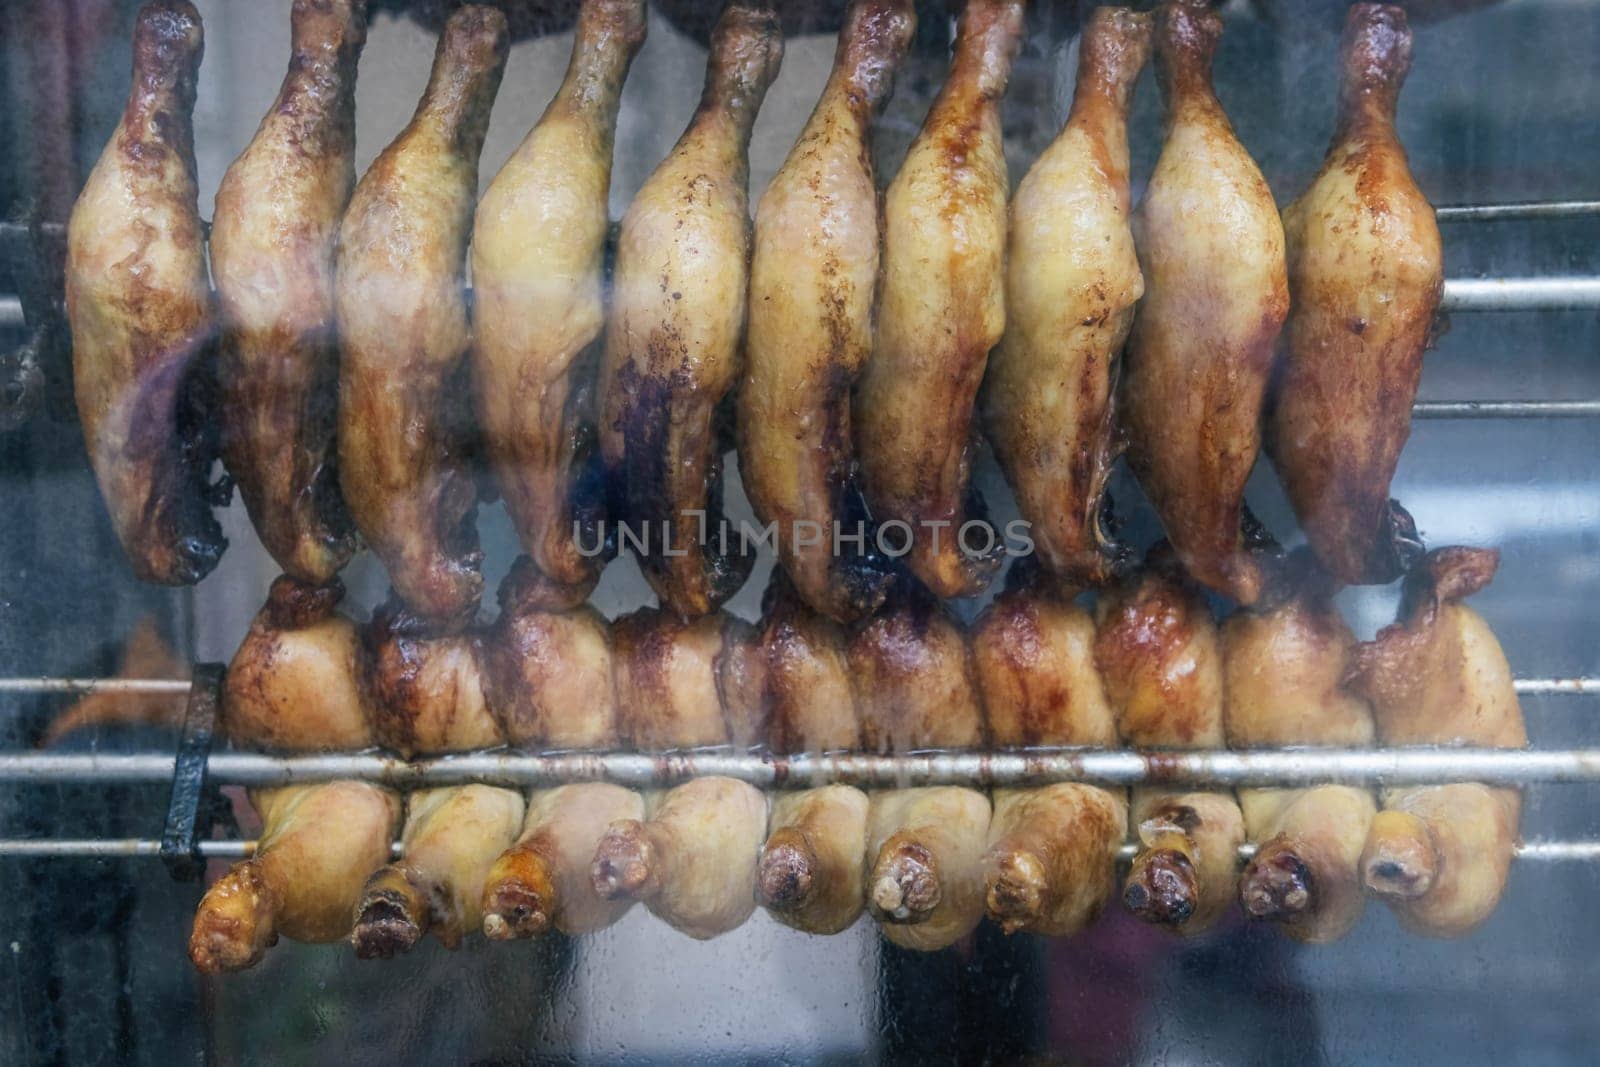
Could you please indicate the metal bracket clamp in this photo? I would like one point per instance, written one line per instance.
(189, 817)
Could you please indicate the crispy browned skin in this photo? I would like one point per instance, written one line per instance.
(538, 258)
(693, 860)
(810, 873)
(915, 688)
(318, 844)
(549, 670)
(1072, 280)
(687, 684)
(1366, 272)
(1285, 668)
(1439, 855)
(1033, 649)
(295, 683)
(805, 656)
(1157, 649)
(543, 880)
(941, 307)
(272, 255)
(452, 836)
(674, 335)
(403, 396)
(427, 688)
(1052, 857)
(140, 311)
(813, 278)
(1216, 293)
(915, 685)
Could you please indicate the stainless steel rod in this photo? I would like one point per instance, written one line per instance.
(1573, 686)
(81, 686)
(1506, 409)
(121, 848)
(1556, 292)
(1218, 769)
(1549, 209)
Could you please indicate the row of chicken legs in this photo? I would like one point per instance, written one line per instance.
(1148, 668)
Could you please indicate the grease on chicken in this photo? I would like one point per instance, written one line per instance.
(942, 307)
(687, 684)
(813, 280)
(403, 390)
(538, 261)
(1072, 280)
(318, 844)
(1216, 293)
(272, 254)
(428, 689)
(139, 307)
(1366, 271)
(1439, 855)
(676, 326)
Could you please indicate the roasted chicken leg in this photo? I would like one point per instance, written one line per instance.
(429, 688)
(1051, 862)
(810, 872)
(1157, 649)
(1439, 855)
(1216, 293)
(813, 279)
(544, 880)
(916, 688)
(317, 846)
(1366, 272)
(140, 311)
(687, 684)
(538, 254)
(673, 339)
(272, 255)
(451, 837)
(1285, 666)
(1072, 280)
(693, 860)
(942, 308)
(403, 394)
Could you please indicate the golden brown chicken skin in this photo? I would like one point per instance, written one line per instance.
(296, 681)
(813, 279)
(1159, 656)
(403, 394)
(538, 264)
(941, 308)
(1366, 272)
(1051, 860)
(272, 255)
(916, 688)
(687, 684)
(1216, 293)
(1072, 280)
(451, 837)
(1439, 855)
(318, 844)
(810, 872)
(1285, 665)
(692, 860)
(676, 325)
(139, 307)
(549, 669)
(543, 880)
(427, 687)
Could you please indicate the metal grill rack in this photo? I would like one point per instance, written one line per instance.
(192, 766)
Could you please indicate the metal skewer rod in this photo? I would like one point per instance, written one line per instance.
(1547, 209)
(1506, 409)
(180, 686)
(1205, 769)
(124, 848)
